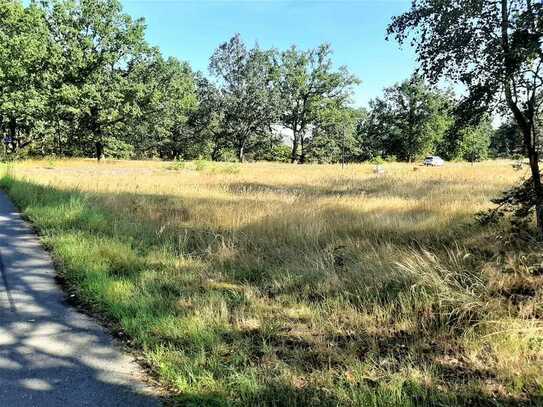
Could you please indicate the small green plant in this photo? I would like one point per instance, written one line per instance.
(391, 159)
(377, 160)
(201, 165)
(5, 170)
(225, 169)
(205, 166)
(177, 166)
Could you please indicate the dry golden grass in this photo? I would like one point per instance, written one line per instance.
(354, 200)
(292, 285)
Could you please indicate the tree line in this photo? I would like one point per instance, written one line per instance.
(77, 78)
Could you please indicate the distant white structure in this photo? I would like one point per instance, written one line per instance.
(379, 170)
(286, 134)
(433, 161)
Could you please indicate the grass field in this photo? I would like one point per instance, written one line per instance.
(272, 284)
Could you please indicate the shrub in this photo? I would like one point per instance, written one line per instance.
(391, 159)
(377, 160)
(118, 149)
(201, 165)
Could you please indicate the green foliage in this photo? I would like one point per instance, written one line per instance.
(333, 135)
(408, 122)
(204, 166)
(249, 100)
(100, 51)
(24, 88)
(494, 49)
(118, 149)
(519, 201)
(177, 166)
(391, 158)
(274, 152)
(201, 165)
(310, 91)
(79, 79)
(475, 141)
(280, 153)
(506, 141)
(168, 105)
(377, 160)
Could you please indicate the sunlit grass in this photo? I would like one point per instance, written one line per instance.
(295, 285)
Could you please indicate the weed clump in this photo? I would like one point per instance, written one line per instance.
(205, 166)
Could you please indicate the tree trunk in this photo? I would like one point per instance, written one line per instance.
(96, 132)
(533, 157)
(294, 154)
(526, 123)
(13, 134)
(241, 153)
(302, 148)
(59, 139)
(99, 150)
(215, 154)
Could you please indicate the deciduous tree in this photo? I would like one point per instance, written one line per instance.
(308, 85)
(506, 141)
(101, 46)
(493, 47)
(25, 74)
(409, 120)
(249, 97)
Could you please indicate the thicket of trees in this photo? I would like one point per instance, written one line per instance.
(77, 78)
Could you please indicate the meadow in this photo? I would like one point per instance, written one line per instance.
(277, 284)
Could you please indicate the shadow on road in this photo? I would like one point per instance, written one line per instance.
(50, 354)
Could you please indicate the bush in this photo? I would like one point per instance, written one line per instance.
(118, 149)
(377, 160)
(279, 153)
(391, 159)
(230, 168)
(177, 165)
(201, 165)
(228, 155)
(204, 165)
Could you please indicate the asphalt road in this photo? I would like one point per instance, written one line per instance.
(51, 354)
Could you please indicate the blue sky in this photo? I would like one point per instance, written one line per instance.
(192, 29)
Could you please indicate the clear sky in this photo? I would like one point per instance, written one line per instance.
(192, 29)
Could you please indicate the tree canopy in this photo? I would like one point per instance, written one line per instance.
(78, 78)
(248, 92)
(310, 87)
(409, 121)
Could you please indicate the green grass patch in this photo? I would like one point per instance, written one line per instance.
(205, 166)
